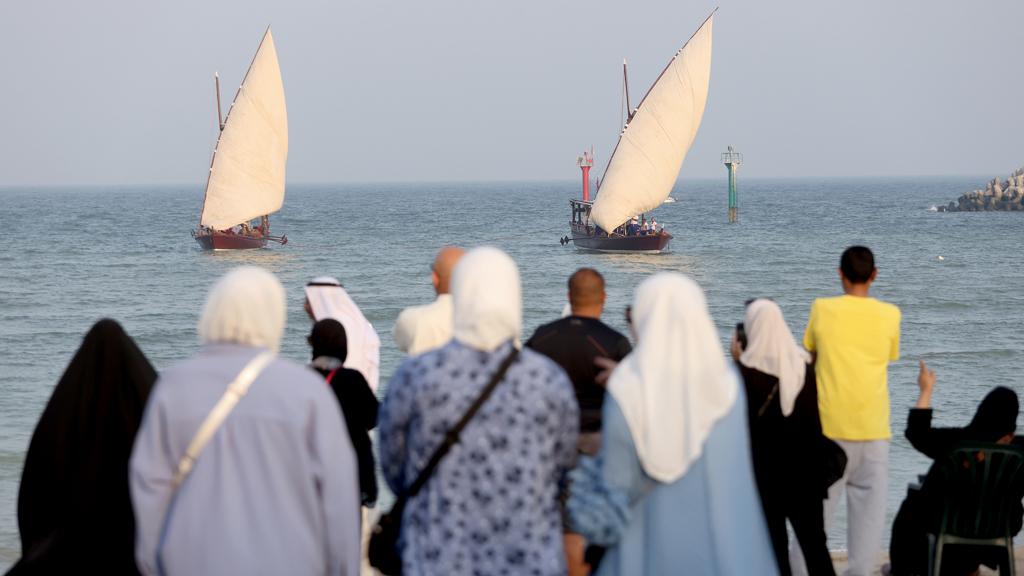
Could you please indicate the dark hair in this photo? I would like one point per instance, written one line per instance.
(857, 264)
(328, 339)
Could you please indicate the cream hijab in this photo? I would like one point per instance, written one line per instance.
(487, 299)
(772, 349)
(675, 385)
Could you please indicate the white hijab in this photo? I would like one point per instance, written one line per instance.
(246, 306)
(327, 299)
(487, 299)
(772, 349)
(675, 385)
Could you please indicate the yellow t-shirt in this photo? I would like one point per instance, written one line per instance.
(854, 338)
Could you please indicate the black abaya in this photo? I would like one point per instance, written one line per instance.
(359, 407)
(789, 465)
(74, 508)
(919, 514)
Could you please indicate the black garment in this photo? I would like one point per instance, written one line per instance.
(789, 467)
(74, 509)
(359, 407)
(919, 514)
(573, 343)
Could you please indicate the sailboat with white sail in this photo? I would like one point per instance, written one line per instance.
(645, 164)
(247, 172)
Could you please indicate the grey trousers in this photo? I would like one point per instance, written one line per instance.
(866, 483)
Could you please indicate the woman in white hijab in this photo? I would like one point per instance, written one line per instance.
(491, 506)
(672, 490)
(785, 434)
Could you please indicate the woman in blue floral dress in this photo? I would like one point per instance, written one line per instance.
(491, 507)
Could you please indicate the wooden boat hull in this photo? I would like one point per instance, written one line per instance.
(221, 241)
(650, 244)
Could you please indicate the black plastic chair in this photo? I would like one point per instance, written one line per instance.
(981, 484)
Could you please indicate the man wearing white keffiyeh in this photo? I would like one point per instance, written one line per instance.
(326, 298)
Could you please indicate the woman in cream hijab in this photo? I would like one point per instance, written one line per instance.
(672, 490)
(785, 434)
(491, 506)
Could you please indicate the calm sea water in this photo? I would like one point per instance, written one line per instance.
(72, 256)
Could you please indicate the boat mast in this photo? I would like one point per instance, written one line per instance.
(625, 88)
(220, 128)
(220, 117)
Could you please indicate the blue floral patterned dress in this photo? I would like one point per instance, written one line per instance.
(491, 507)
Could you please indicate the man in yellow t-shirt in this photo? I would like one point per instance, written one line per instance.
(854, 337)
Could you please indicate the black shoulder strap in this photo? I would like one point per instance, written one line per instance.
(452, 436)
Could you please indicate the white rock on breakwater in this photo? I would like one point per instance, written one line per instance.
(1005, 195)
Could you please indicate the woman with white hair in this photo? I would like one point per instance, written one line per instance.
(242, 464)
(672, 490)
(491, 505)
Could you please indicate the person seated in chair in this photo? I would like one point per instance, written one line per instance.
(921, 512)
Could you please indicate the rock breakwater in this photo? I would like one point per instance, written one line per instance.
(1005, 195)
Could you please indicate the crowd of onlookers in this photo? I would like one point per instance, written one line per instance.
(581, 451)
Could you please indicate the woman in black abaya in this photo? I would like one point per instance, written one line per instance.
(74, 510)
(994, 421)
(357, 401)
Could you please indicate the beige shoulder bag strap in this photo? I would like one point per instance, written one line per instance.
(215, 418)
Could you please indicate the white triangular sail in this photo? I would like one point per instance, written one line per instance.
(247, 174)
(645, 164)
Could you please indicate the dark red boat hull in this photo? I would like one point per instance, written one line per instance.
(221, 241)
(652, 243)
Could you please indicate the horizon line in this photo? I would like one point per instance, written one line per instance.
(301, 183)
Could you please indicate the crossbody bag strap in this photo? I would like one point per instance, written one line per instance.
(452, 436)
(330, 375)
(768, 401)
(234, 392)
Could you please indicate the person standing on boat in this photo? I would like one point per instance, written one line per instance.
(274, 488)
(632, 229)
(326, 298)
(422, 328)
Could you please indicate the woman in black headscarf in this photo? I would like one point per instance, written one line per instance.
(994, 421)
(358, 403)
(74, 511)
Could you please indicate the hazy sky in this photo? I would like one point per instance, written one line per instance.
(121, 91)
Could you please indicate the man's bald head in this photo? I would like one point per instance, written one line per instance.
(586, 293)
(443, 265)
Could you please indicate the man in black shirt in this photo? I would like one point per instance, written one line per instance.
(575, 341)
